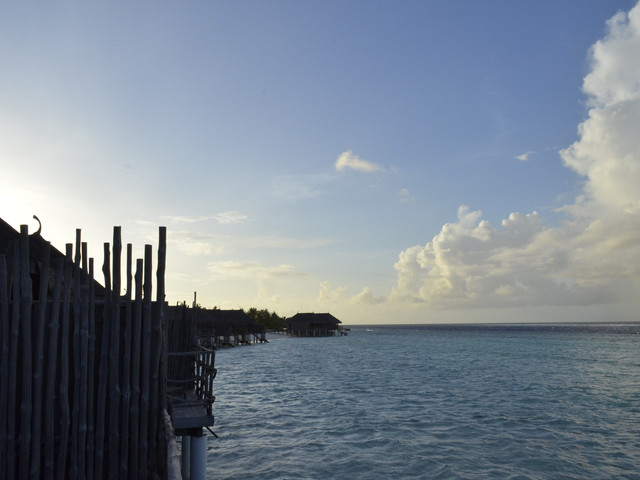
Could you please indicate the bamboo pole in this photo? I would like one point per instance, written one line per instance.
(146, 363)
(75, 424)
(91, 354)
(103, 371)
(50, 392)
(83, 388)
(38, 377)
(157, 342)
(26, 406)
(160, 290)
(134, 451)
(114, 356)
(126, 373)
(65, 416)
(4, 361)
(13, 364)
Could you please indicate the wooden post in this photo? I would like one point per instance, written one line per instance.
(134, 451)
(4, 361)
(114, 357)
(75, 425)
(91, 354)
(83, 389)
(146, 363)
(27, 359)
(157, 342)
(126, 373)
(63, 389)
(50, 393)
(160, 289)
(13, 363)
(103, 370)
(38, 377)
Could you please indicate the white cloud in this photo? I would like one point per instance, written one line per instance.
(250, 270)
(368, 297)
(593, 258)
(222, 218)
(525, 156)
(300, 187)
(608, 151)
(349, 160)
(327, 295)
(195, 243)
(404, 195)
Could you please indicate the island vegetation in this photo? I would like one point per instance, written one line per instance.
(270, 320)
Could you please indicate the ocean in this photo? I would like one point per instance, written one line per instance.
(432, 402)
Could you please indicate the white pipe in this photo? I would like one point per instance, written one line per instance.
(199, 457)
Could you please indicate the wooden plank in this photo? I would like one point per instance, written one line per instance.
(38, 368)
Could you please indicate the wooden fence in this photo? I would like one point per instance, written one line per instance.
(82, 377)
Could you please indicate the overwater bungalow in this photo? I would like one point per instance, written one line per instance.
(227, 328)
(313, 325)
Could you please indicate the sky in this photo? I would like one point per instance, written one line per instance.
(385, 161)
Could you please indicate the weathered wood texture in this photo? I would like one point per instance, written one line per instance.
(72, 404)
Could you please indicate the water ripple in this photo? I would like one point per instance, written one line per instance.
(430, 404)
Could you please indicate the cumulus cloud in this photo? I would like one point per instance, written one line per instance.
(328, 295)
(608, 150)
(593, 257)
(368, 297)
(349, 160)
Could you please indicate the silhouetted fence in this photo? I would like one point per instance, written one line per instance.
(82, 375)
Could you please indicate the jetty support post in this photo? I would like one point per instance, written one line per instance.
(199, 456)
(186, 457)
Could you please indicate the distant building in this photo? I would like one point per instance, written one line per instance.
(227, 327)
(313, 325)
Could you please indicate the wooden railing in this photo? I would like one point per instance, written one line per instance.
(192, 372)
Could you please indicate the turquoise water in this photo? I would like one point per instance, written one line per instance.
(499, 402)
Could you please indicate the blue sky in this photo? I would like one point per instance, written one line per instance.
(384, 161)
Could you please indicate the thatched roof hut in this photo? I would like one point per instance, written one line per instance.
(312, 325)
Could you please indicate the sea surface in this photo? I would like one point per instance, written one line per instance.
(432, 402)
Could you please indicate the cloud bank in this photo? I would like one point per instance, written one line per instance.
(594, 256)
